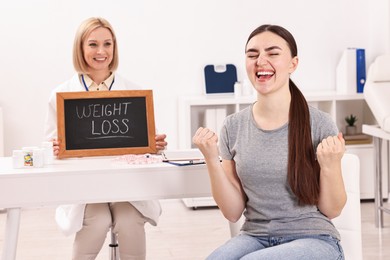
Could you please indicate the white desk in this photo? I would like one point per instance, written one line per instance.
(91, 180)
(378, 136)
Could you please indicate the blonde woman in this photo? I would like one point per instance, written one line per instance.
(95, 59)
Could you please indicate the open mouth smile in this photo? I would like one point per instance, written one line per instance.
(100, 59)
(264, 75)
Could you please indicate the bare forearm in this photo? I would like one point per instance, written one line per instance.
(225, 185)
(332, 192)
(226, 191)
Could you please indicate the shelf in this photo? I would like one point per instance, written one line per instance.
(357, 139)
(331, 96)
(216, 99)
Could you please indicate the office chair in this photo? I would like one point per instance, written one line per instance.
(349, 222)
(377, 90)
(113, 246)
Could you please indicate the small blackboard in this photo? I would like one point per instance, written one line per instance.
(105, 123)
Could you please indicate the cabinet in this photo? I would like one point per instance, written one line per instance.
(194, 111)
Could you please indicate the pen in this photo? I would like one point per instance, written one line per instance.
(164, 157)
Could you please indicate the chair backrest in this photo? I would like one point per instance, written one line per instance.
(349, 221)
(377, 90)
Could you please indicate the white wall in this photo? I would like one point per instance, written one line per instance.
(164, 45)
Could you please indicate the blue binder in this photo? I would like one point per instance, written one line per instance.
(220, 79)
(360, 69)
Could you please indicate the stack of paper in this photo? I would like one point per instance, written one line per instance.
(183, 157)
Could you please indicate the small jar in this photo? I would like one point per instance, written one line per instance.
(247, 89)
(47, 152)
(237, 89)
(28, 156)
(38, 157)
(17, 159)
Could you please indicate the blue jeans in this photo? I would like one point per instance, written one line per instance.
(304, 247)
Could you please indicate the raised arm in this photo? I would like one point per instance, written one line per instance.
(225, 185)
(332, 191)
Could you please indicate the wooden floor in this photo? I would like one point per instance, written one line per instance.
(182, 234)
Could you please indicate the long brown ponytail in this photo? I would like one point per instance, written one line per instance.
(303, 170)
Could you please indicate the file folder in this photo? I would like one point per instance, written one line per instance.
(360, 69)
(351, 71)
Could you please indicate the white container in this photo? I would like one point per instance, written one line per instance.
(237, 89)
(47, 152)
(28, 156)
(38, 157)
(247, 88)
(17, 159)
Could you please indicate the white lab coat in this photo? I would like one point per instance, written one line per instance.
(70, 217)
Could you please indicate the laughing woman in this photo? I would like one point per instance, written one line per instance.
(281, 163)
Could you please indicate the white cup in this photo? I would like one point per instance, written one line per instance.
(17, 159)
(47, 152)
(247, 89)
(38, 154)
(237, 89)
(28, 156)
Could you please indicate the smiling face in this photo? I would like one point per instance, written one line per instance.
(98, 49)
(269, 62)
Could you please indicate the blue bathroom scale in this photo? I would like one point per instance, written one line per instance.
(220, 78)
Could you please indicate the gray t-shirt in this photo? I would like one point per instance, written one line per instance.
(261, 163)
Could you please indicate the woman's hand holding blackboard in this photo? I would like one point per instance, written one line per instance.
(160, 142)
(56, 147)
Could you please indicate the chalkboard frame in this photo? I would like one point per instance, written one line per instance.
(151, 132)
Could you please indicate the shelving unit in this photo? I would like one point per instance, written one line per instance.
(192, 115)
(192, 112)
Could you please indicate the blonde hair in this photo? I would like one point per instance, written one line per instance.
(82, 33)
